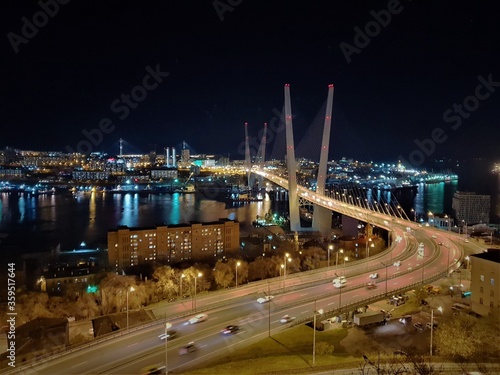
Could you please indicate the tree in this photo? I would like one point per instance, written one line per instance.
(223, 274)
(312, 257)
(259, 269)
(463, 336)
(165, 282)
(113, 292)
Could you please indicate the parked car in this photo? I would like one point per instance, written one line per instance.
(264, 299)
(397, 263)
(400, 352)
(198, 318)
(371, 286)
(374, 276)
(286, 319)
(189, 348)
(429, 325)
(405, 319)
(419, 326)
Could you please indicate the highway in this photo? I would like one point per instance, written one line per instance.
(303, 292)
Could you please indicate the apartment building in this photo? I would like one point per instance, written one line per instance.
(471, 208)
(485, 281)
(172, 243)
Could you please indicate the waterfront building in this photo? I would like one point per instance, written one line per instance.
(471, 208)
(172, 244)
(485, 281)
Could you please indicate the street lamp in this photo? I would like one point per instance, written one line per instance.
(368, 246)
(237, 265)
(287, 258)
(345, 260)
(195, 279)
(320, 311)
(330, 248)
(340, 292)
(414, 214)
(467, 258)
(281, 269)
(385, 265)
(180, 284)
(131, 289)
(167, 326)
(429, 215)
(341, 251)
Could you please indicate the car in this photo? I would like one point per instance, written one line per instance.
(371, 286)
(265, 299)
(397, 263)
(374, 276)
(340, 280)
(405, 319)
(169, 335)
(440, 243)
(419, 326)
(434, 236)
(466, 241)
(429, 325)
(189, 348)
(150, 370)
(230, 330)
(339, 285)
(198, 318)
(286, 319)
(400, 352)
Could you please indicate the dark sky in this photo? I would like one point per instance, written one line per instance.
(228, 69)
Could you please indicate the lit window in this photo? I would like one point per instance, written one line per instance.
(481, 300)
(492, 281)
(482, 278)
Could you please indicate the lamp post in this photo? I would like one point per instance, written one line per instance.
(320, 311)
(287, 259)
(432, 330)
(341, 251)
(180, 284)
(345, 260)
(237, 265)
(330, 248)
(368, 245)
(131, 289)
(467, 258)
(195, 287)
(414, 214)
(385, 265)
(340, 293)
(429, 215)
(167, 326)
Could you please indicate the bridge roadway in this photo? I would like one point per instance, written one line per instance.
(128, 353)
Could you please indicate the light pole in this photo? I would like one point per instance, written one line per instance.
(414, 214)
(432, 330)
(340, 292)
(320, 311)
(195, 287)
(345, 260)
(330, 248)
(167, 326)
(467, 258)
(287, 259)
(385, 265)
(237, 265)
(429, 215)
(131, 289)
(281, 269)
(368, 245)
(180, 284)
(341, 251)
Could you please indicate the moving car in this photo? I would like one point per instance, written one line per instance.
(150, 370)
(340, 280)
(339, 285)
(230, 330)
(286, 319)
(371, 286)
(198, 318)
(374, 276)
(170, 335)
(405, 319)
(265, 299)
(397, 263)
(189, 348)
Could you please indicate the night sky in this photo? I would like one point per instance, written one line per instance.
(228, 66)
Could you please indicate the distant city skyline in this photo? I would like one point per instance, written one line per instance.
(412, 81)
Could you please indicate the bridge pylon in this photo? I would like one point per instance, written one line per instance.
(322, 217)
